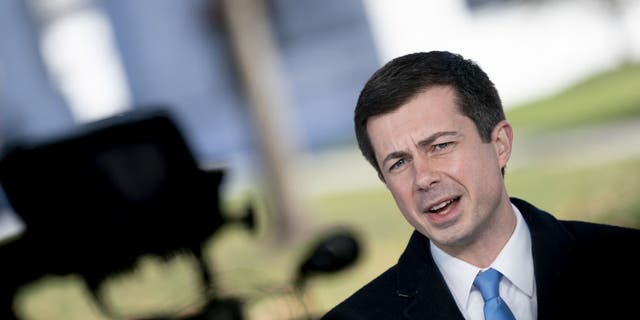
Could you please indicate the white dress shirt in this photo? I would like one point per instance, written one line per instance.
(517, 286)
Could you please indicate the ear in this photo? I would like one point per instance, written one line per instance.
(502, 139)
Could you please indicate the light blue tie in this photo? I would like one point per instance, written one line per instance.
(494, 307)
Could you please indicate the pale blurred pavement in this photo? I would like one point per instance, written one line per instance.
(582, 146)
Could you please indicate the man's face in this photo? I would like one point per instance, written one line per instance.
(444, 178)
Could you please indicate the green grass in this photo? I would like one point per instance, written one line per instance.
(605, 193)
(609, 96)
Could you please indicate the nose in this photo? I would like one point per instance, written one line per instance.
(426, 174)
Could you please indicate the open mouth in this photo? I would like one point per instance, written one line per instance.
(442, 206)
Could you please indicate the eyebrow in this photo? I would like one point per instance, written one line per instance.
(424, 142)
(432, 138)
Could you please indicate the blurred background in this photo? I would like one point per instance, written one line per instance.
(266, 89)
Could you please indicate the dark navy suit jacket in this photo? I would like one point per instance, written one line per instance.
(582, 270)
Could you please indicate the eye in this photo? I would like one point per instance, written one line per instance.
(442, 146)
(397, 164)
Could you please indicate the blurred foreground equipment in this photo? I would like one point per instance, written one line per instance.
(333, 252)
(98, 198)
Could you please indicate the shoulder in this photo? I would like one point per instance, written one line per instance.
(599, 230)
(375, 300)
(574, 259)
(602, 254)
(579, 231)
(587, 245)
(578, 242)
(608, 239)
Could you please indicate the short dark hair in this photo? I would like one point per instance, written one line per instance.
(402, 78)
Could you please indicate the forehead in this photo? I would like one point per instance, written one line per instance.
(431, 111)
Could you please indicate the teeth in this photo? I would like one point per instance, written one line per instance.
(440, 206)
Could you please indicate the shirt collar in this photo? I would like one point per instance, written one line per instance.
(515, 262)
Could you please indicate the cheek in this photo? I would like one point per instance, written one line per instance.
(471, 168)
(402, 192)
(490, 164)
(483, 173)
(457, 165)
(398, 189)
(482, 155)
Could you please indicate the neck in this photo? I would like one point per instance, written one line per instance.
(484, 246)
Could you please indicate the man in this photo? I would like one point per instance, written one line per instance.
(433, 127)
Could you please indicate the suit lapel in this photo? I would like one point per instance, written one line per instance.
(553, 252)
(422, 284)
